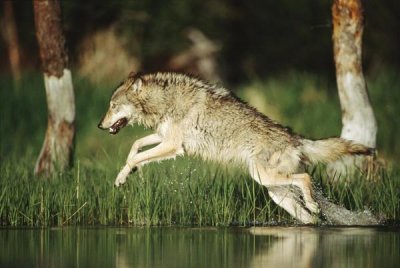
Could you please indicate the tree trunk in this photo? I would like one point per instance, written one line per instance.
(358, 118)
(10, 34)
(56, 153)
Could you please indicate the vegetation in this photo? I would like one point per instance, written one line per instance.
(186, 191)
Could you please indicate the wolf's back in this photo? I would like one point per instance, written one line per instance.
(331, 149)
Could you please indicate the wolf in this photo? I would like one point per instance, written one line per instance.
(193, 117)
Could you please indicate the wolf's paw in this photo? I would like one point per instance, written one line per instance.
(118, 182)
(121, 178)
(313, 207)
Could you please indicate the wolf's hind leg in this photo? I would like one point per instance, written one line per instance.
(271, 178)
(305, 179)
(289, 200)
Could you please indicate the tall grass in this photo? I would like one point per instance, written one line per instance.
(184, 192)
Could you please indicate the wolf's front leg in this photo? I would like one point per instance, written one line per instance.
(137, 145)
(162, 151)
(145, 141)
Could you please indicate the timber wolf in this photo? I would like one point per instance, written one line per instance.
(193, 117)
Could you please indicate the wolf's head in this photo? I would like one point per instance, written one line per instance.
(123, 109)
(148, 99)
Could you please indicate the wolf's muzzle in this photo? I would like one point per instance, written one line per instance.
(116, 127)
(100, 126)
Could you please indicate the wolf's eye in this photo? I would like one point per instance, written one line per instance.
(113, 106)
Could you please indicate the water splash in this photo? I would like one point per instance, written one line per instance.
(331, 213)
(339, 215)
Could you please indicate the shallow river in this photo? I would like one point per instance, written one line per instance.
(200, 247)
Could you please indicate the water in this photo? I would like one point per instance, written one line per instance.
(189, 247)
(339, 215)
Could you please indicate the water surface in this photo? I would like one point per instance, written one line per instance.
(192, 247)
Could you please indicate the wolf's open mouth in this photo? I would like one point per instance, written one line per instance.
(115, 128)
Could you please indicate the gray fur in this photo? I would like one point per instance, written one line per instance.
(192, 117)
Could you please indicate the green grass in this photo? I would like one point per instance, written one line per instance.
(182, 192)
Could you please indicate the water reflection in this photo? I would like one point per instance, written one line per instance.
(328, 247)
(188, 247)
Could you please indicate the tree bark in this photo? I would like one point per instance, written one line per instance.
(57, 150)
(10, 34)
(358, 118)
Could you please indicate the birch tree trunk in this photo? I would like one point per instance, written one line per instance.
(10, 35)
(358, 118)
(57, 150)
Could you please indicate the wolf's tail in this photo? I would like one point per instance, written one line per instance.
(331, 149)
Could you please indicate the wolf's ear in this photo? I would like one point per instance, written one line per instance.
(137, 85)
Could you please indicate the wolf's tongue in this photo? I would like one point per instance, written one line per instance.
(114, 129)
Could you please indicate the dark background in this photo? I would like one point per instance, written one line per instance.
(258, 38)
